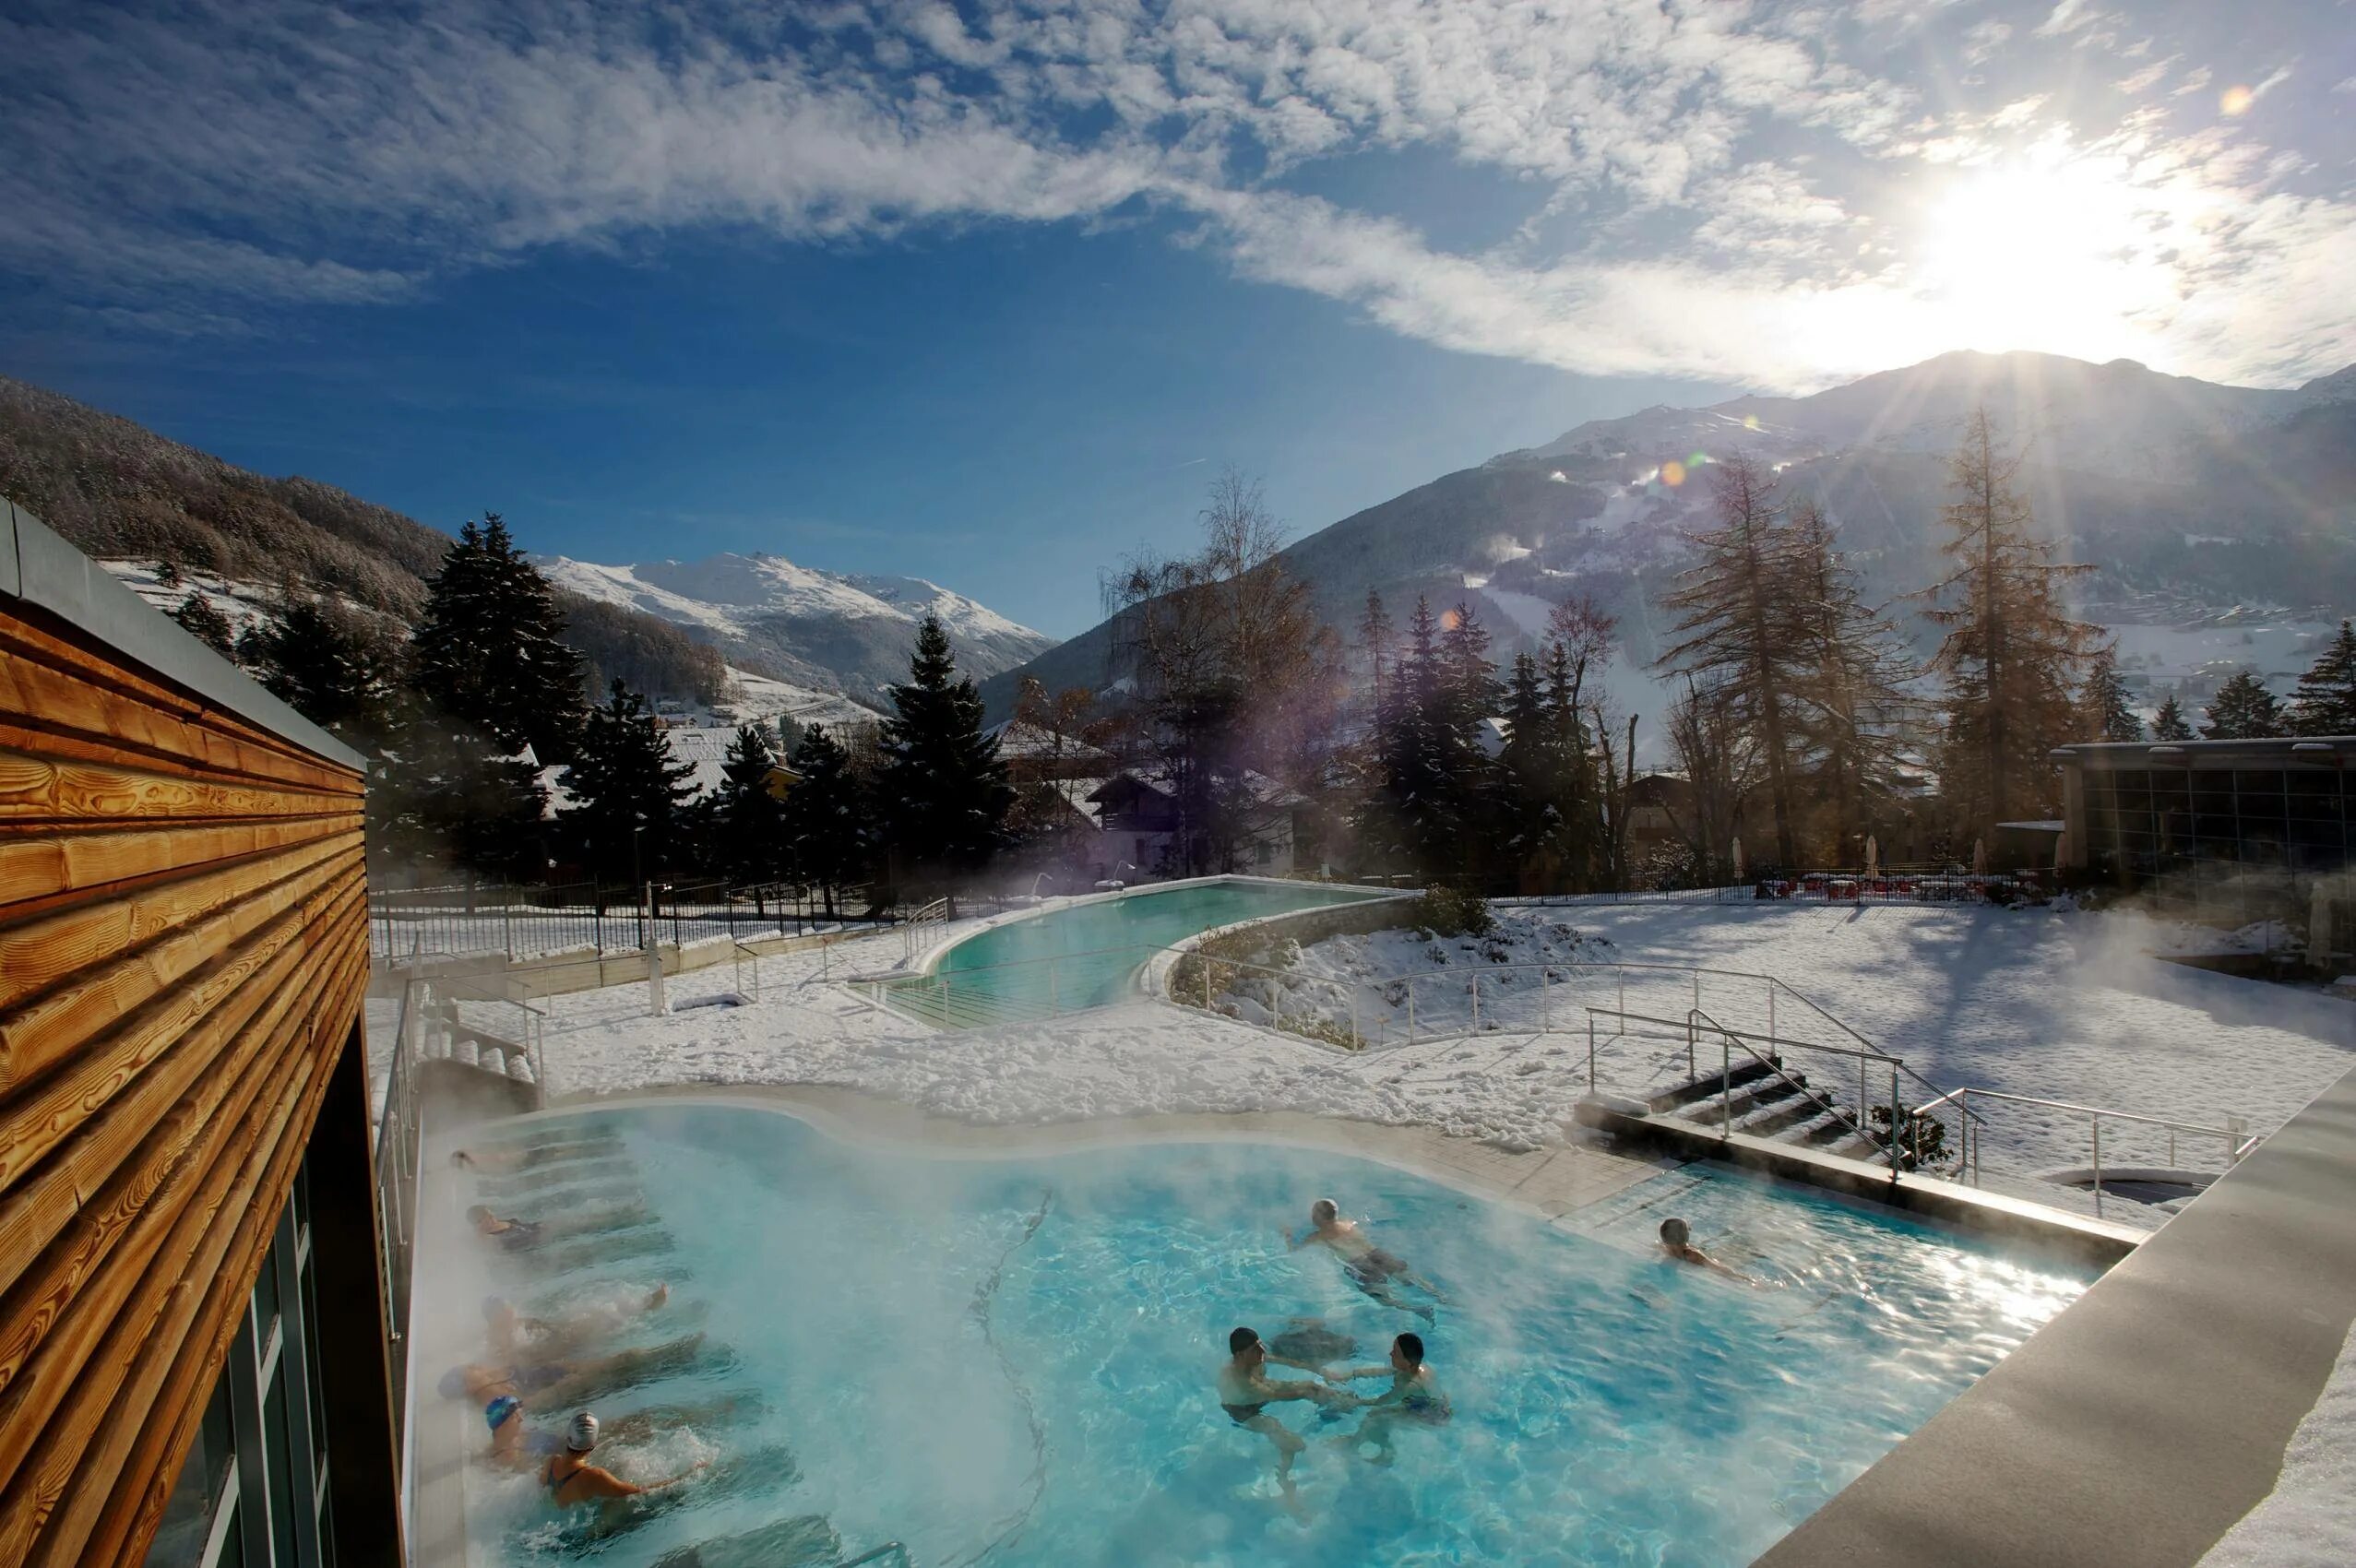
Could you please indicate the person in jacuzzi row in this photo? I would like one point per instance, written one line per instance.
(513, 1445)
(1677, 1245)
(571, 1480)
(1373, 1271)
(572, 1380)
(511, 1235)
(511, 1333)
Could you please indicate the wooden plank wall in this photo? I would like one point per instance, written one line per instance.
(183, 946)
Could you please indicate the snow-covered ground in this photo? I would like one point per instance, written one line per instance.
(2309, 1520)
(2053, 1004)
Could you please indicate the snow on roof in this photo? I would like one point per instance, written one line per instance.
(1019, 739)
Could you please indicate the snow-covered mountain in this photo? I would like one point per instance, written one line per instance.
(2191, 498)
(832, 631)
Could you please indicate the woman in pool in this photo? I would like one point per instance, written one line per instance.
(513, 1235)
(1413, 1396)
(571, 1480)
(1366, 1265)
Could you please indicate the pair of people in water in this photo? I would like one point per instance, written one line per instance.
(567, 1472)
(1245, 1392)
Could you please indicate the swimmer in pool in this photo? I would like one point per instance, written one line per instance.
(515, 1446)
(511, 1235)
(571, 1480)
(1677, 1243)
(1245, 1392)
(1368, 1267)
(511, 1332)
(1412, 1398)
(570, 1381)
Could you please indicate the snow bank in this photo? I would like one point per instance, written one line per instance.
(2309, 1520)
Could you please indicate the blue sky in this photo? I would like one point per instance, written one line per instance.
(987, 293)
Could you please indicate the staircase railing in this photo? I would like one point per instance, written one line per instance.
(912, 930)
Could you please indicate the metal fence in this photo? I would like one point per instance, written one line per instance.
(525, 921)
(400, 1136)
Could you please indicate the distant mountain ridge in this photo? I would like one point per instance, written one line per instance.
(851, 631)
(2180, 491)
(121, 493)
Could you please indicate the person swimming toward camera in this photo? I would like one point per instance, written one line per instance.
(571, 1480)
(1373, 1270)
(1245, 1392)
(1412, 1398)
(1677, 1243)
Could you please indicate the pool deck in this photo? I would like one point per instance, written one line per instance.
(1550, 1182)
(2143, 1422)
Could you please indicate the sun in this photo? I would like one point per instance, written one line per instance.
(2053, 255)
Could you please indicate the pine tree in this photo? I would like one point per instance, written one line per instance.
(943, 790)
(747, 829)
(829, 828)
(1415, 814)
(2013, 657)
(445, 800)
(1736, 631)
(626, 789)
(2326, 700)
(488, 653)
(2169, 724)
(1526, 764)
(1568, 854)
(329, 664)
(201, 619)
(167, 574)
(2243, 710)
(2108, 715)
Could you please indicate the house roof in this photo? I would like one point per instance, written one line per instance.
(1021, 741)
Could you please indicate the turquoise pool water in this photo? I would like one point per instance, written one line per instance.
(1011, 1361)
(1003, 974)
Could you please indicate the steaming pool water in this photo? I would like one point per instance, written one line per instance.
(1011, 1360)
(997, 974)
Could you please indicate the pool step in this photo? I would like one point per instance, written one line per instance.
(1708, 1084)
(1768, 1104)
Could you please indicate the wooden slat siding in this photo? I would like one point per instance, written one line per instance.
(51, 687)
(115, 1394)
(35, 869)
(188, 927)
(44, 1309)
(45, 791)
(192, 1289)
(184, 939)
(134, 1505)
(91, 1145)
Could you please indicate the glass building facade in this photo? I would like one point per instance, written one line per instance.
(253, 1493)
(2233, 825)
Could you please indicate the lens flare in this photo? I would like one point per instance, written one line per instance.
(1448, 620)
(1698, 459)
(2237, 100)
(1673, 473)
(1750, 421)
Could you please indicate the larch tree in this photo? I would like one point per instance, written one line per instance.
(1852, 714)
(2243, 710)
(1735, 631)
(2109, 716)
(943, 792)
(2324, 703)
(626, 789)
(2169, 723)
(2013, 657)
(1717, 749)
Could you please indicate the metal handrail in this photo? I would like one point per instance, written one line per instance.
(1859, 1122)
(2237, 1147)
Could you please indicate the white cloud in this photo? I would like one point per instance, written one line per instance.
(1742, 183)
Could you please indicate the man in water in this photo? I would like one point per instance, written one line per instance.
(1245, 1392)
(566, 1382)
(1413, 1396)
(572, 1479)
(513, 1235)
(514, 1446)
(1368, 1267)
(511, 1332)
(1677, 1243)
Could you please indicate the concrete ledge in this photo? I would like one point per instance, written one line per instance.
(2142, 1423)
(2050, 1232)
